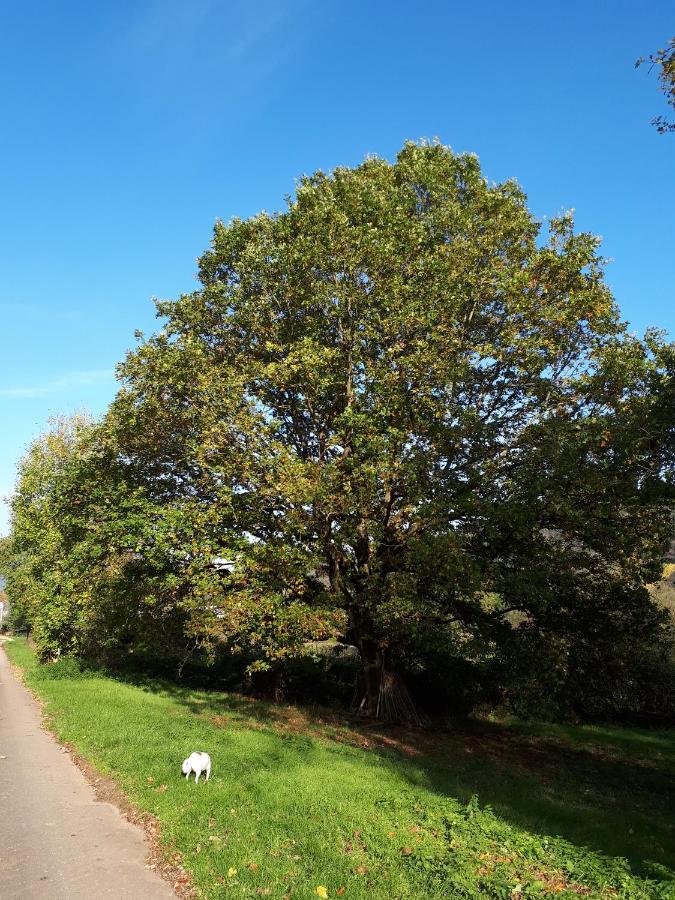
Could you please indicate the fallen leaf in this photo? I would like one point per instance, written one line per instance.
(231, 872)
(391, 834)
(340, 891)
(252, 866)
(321, 891)
(361, 870)
(406, 851)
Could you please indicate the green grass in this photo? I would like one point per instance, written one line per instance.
(298, 801)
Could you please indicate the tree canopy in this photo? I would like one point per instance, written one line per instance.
(407, 416)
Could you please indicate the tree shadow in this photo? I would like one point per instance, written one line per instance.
(607, 789)
(591, 795)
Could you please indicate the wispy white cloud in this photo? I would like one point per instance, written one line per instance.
(60, 384)
(228, 48)
(165, 24)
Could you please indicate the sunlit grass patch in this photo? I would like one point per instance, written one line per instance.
(298, 803)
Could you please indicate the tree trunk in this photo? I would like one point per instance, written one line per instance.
(382, 694)
(277, 686)
(370, 678)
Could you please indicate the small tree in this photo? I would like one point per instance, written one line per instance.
(39, 580)
(89, 563)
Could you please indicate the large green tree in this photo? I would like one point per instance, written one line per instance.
(407, 416)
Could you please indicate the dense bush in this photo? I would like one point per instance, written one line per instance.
(636, 687)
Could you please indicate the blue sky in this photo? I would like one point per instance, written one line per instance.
(127, 128)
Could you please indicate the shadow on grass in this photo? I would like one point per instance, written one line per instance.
(608, 789)
(591, 796)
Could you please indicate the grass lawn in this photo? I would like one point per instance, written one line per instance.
(298, 802)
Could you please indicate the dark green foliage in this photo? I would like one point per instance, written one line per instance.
(633, 683)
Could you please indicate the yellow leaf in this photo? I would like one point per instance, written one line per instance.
(231, 872)
(321, 891)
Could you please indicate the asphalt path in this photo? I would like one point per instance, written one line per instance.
(57, 841)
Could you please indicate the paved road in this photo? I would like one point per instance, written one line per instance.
(57, 842)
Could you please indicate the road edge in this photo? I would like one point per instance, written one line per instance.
(165, 861)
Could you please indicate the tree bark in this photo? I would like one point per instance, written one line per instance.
(277, 686)
(370, 678)
(382, 694)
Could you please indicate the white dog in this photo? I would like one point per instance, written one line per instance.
(197, 762)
